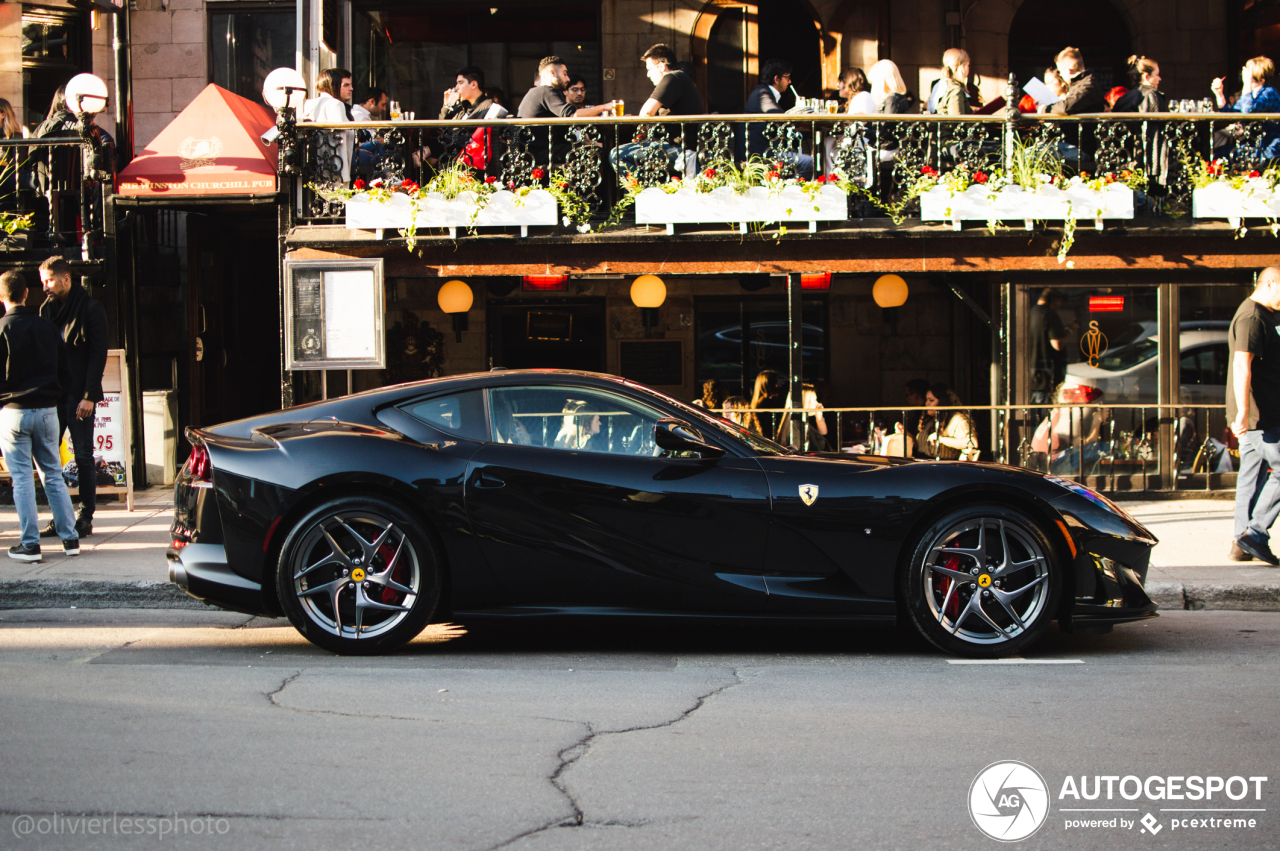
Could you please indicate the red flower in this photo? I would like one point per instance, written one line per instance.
(491, 179)
(799, 180)
(1126, 174)
(1111, 178)
(822, 178)
(773, 175)
(359, 184)
(1255, 173)
(979, 177)
(410, 187)
(538, 174)
(564, 185)
(675, 178)
(1084, 175)
(929, 170)
(709, 173)
(778, 165)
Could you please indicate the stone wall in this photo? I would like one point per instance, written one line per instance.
(170, 63)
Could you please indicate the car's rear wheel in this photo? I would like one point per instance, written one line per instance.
(358, 575)
(982, 581)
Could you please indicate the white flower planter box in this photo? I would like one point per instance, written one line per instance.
(757, 204)
(1010, 203)
(436, 211)
(1224, 201)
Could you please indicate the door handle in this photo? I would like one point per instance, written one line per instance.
(485, 479)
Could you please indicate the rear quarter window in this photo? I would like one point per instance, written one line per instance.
(457, 413)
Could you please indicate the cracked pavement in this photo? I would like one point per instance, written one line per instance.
(601, 736)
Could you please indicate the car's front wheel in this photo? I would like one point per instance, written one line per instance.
(982, 581)
(357, 575)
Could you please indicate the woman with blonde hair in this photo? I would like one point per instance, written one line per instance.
(765, 395)
(737, 410)
(1258, 96)
(889, 89)
(10, 126)
(955, 72)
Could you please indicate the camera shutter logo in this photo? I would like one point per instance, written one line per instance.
(1008, 801)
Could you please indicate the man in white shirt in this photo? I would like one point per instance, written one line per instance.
(333, 89)
(372, 107)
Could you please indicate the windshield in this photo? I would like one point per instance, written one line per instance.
(754, 442)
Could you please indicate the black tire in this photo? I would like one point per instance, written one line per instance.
(962, 592)
(324, 568)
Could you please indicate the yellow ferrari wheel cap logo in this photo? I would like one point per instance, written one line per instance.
(357, 575)
(808, 494)
(985, 580)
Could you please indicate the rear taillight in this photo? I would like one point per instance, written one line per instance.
(1081, 394)
(198, 464)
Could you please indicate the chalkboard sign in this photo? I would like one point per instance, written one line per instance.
(658, 363)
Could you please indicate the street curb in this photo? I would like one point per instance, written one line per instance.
(88, 594)
(1203, 597)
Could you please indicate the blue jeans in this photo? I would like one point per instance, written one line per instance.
(624, 156)
(1257, 491)
(27, 434)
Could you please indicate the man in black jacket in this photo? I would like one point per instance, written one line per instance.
(33, 371)
(83, 325)
(775, 80)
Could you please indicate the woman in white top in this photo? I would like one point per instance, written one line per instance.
(856, 91)
(888, 88)
(333, 88)
(948, 435)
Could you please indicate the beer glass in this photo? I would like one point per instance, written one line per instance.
(618, 108)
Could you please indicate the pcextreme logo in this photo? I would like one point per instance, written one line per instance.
(1008, 801)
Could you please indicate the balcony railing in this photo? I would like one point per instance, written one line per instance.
(879, 159)
(1113, 448)
(46, 199)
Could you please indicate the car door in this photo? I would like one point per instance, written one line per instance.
(574, 506)
(827, 551)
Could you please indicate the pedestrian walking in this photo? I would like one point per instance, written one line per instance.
(1253, 409)
(82, 322)
(33, 373)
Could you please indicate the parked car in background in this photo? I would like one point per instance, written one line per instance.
(1130, 373)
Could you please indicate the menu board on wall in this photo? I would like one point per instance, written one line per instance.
(658, 363)
(334, 314)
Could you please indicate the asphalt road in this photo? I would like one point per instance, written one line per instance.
(234, 733)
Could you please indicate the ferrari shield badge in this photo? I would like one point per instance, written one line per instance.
(808, 494)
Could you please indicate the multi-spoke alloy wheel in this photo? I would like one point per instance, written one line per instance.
(982, 581)
(357, 575)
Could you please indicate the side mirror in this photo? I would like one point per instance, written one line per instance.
(676, 435)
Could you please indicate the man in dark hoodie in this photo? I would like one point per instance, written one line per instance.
(82, 323)
(1083, 94)
(33, 373)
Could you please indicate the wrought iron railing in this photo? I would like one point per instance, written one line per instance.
(50, 197)
(881, 155)
(1114, 448)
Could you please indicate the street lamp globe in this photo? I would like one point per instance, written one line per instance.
(284, 88)
(648, 291)
(86, 94)
(889, 291)
(455, 297)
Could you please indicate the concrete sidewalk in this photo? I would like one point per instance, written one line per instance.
(123, 565)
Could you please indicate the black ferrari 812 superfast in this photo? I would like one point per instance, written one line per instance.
(546, 492)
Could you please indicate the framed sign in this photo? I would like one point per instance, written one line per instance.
(333, 314)
(658, 363)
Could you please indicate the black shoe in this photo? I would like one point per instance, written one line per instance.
(71, 547)
(84, 527)
(1238, 554)
(28, 554)
(49, 531)
(1257, 550)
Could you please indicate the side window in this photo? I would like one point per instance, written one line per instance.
(1219, 359)
(572, 418)
(458, 413)
(1189, 367)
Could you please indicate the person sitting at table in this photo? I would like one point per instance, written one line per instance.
(947, 435)
(333, 89)
(856, 91)
(1083, 93)
(737, 410)
(815, 423)
(954, 97)
(576, 92)
(1258, 96)
(547, 100)
(1145, 96)
(372, 105)
(766, 98)
(889, 89)
(674, 93)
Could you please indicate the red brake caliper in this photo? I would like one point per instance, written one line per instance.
(952, 562)
(391, 596)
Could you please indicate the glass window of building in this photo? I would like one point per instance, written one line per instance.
(247, 42)
(52, 53)
(413, 50)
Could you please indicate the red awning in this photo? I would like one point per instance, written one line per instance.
(211, 148)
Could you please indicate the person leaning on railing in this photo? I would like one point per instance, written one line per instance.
(333, 90)
(1258, 96)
